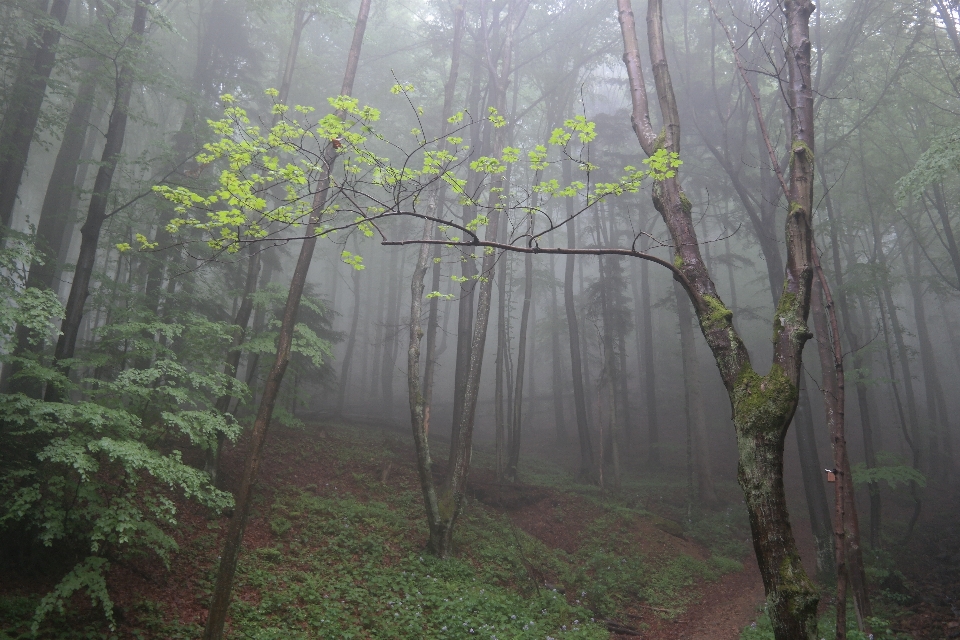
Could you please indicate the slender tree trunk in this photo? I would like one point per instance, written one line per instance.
(52, 225)
(936, 420)
(812, 473)
(351, 345)
(232, 365)
(696, 419)
(231, 549)
(378, 345)
(557, 373)
(517, 422)
(502, 368)
(432, 322)
(649, 361)
(853, 334)
(907, 422)
(940, 204)
(849, 556)
(97, 212)
(24, 103)
(468, 267)
(573, 330)
(390, 326)
(454, 486)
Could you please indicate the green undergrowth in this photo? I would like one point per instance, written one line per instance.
(880, 627)
(351, 569)
(345, 559)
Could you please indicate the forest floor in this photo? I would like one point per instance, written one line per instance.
(334, 549)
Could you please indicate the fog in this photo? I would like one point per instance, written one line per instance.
(692, 266)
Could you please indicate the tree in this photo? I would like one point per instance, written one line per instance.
(23, 106)
(231, 550)
(97, 211)
(762, 405)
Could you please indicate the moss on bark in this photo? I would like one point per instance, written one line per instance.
(762, 404)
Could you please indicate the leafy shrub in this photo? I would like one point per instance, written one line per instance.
(97, 478)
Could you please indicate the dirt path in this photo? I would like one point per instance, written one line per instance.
(727, 607)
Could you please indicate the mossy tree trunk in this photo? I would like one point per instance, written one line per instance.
(763, 405)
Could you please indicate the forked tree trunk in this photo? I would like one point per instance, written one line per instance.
(97, 212)
(762, 405)
(450, 87)
(468, 267)
(231, 548)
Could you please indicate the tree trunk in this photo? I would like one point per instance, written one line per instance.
(97, 212)
(812, 473)
(696, 419)
(557, 373)
(648, 361)
(848, 554)
(502, 368)
(351, 345)
(762, 405)
(468, 267)
(232, 364)
(853, 334)
(390, 326)
(936, 419)
(461, 446)
(378, 344)
(231, 549)
(24, 103)
(432, 322)
(52, 226)
(573, 329)
(514, 460)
